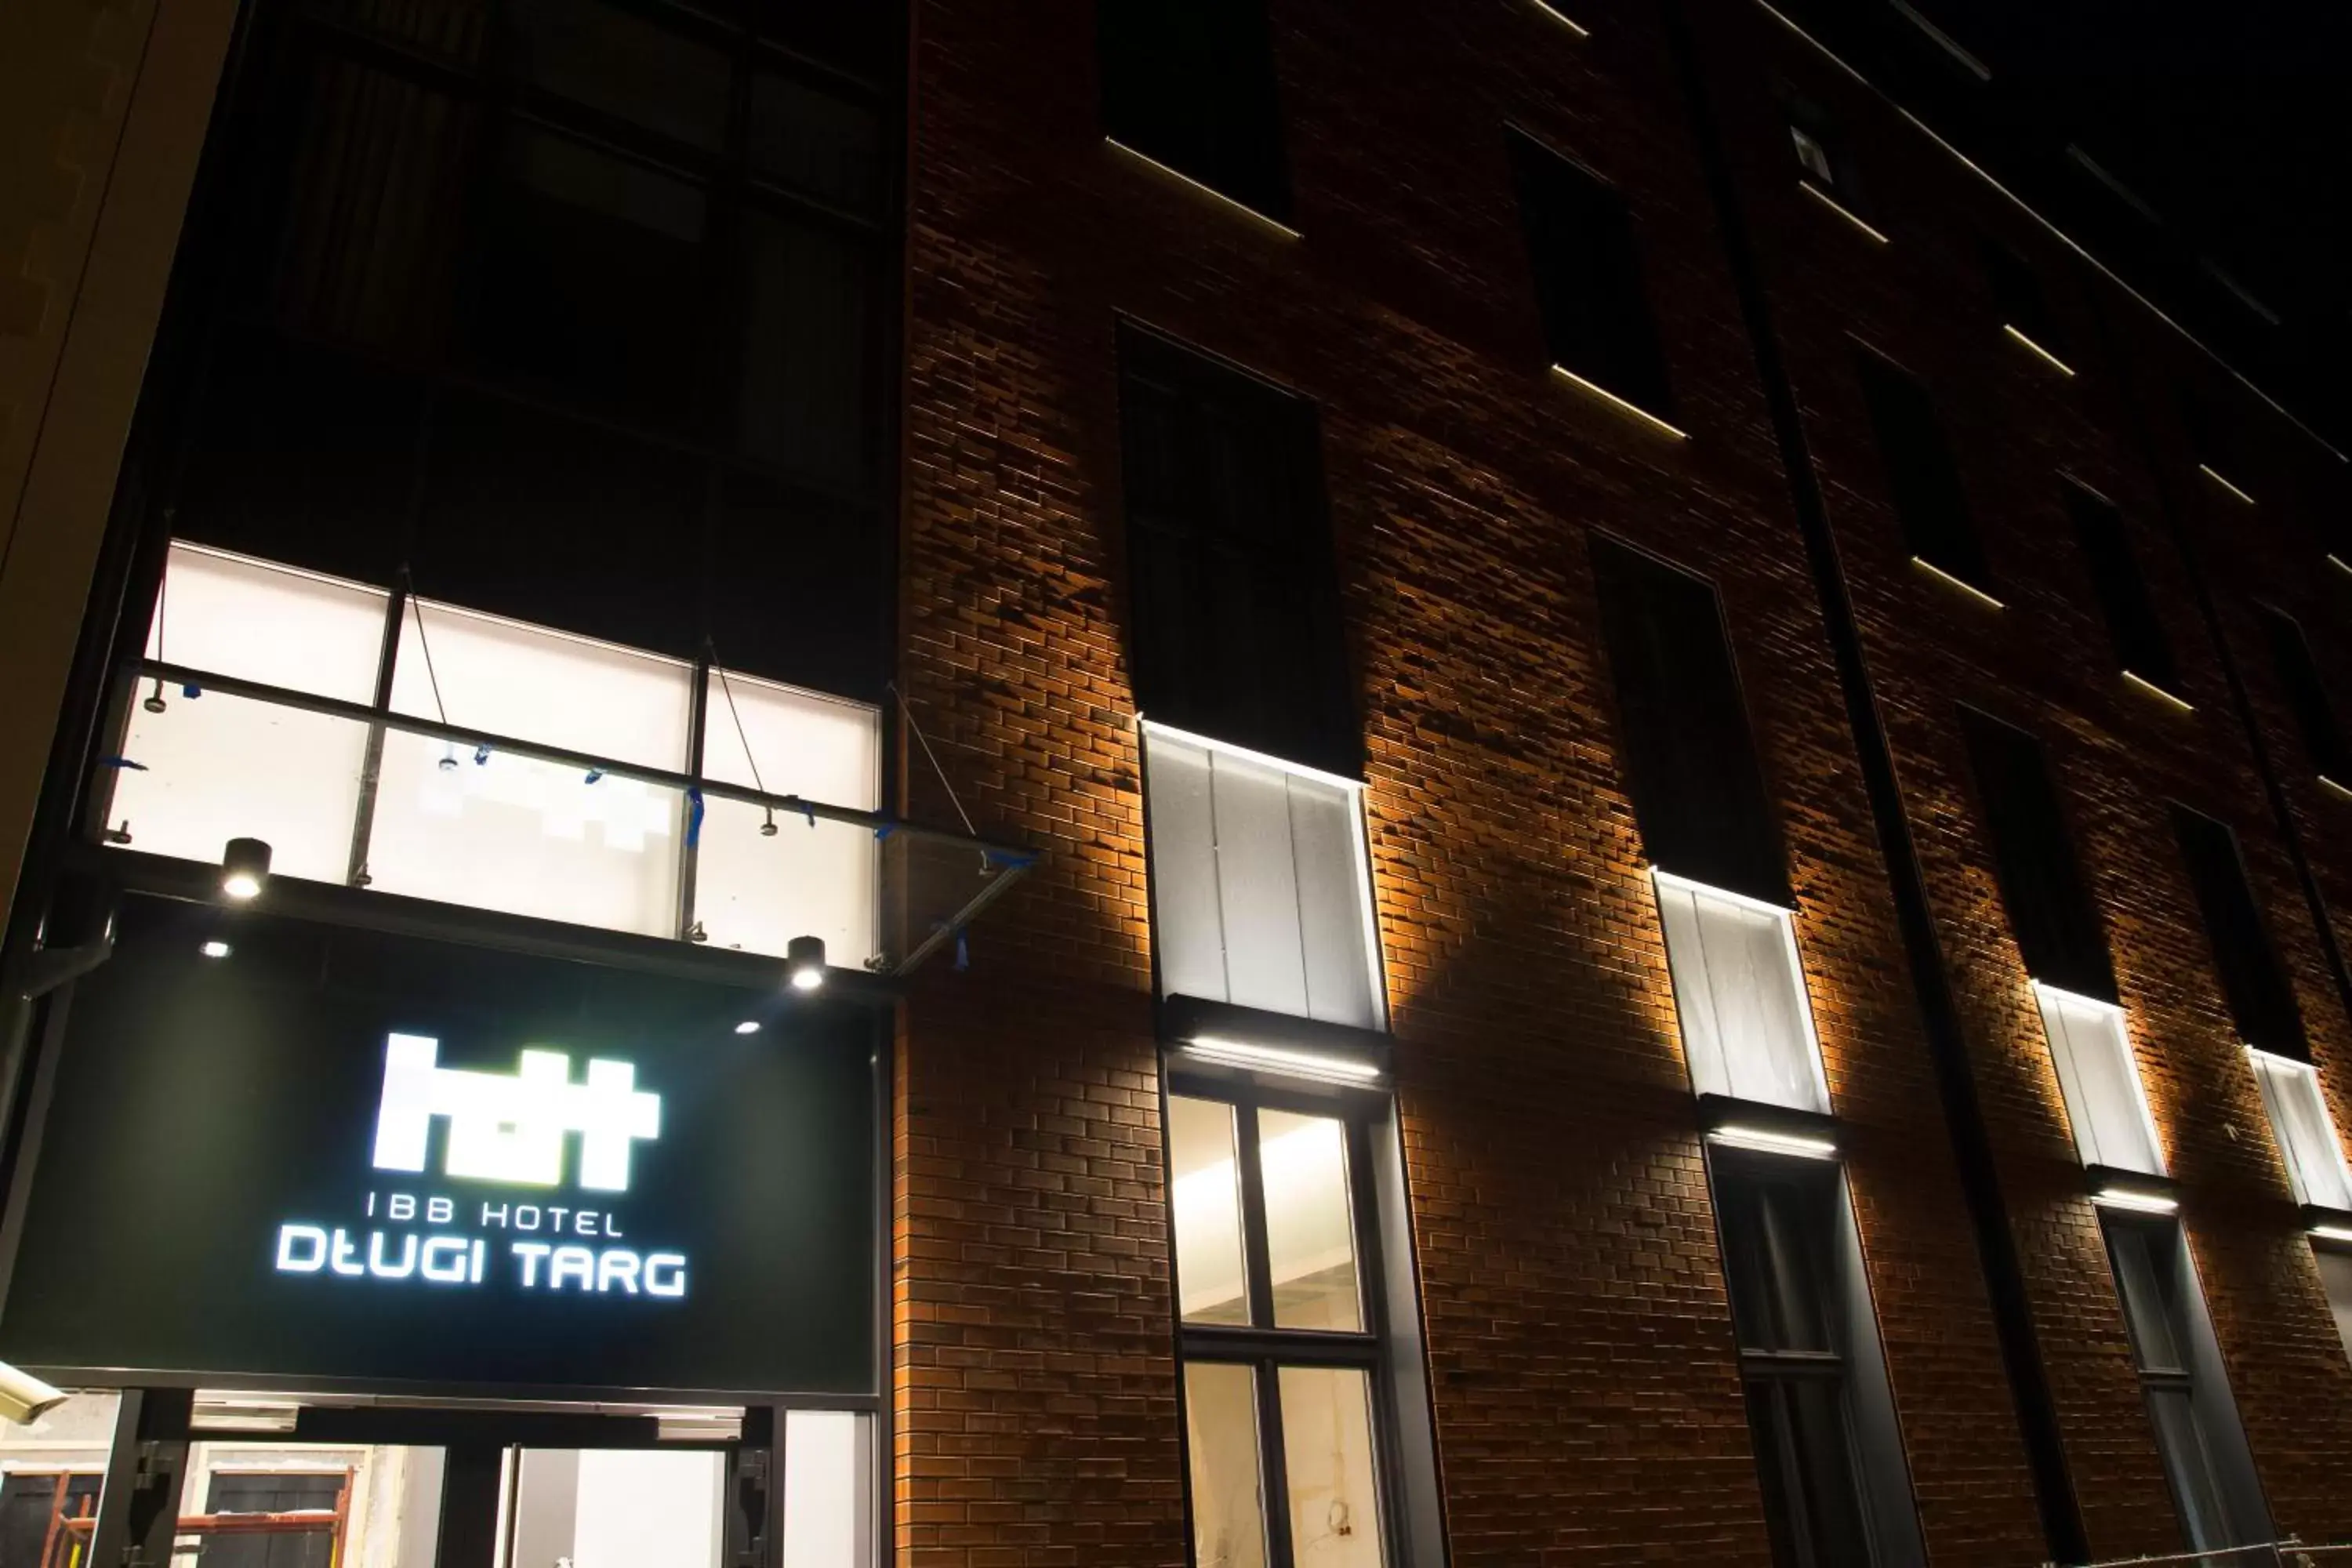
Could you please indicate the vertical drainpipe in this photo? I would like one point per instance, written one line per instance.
(2037, 1413)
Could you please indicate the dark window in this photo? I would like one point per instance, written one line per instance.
(2217, 441)
(1780, 1227)
(2057, 928)
(1823, 152)
(1191, 84)
(1696, 785)
(274, 1492)
(1922, 476)
(2141, 646)
(2253, 981)
(32, 1502)
(2197, 1431)
(2017, 296)
(1235, 632)
(1588, 268)
(2307, 695)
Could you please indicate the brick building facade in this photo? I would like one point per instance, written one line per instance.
(1561, 1365)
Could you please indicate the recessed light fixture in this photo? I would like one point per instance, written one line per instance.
(748, 1027)
(215, 948)
(2137, 1202)
(1765, 1141)
(805, 957)
(2331, 1232)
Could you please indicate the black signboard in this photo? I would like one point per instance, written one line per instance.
(354, 1157)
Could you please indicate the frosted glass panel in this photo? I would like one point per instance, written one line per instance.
(533, 684)
(827, 1490)
(218, 767)
(1310, 1245)
(645, 1508)
(1326, 1444)
(801, 742)
(230, 615)
(2100, 1081)
(1747, 1025)
(2306, 1139)
(526, 836)
(1221, 1434)
(2336, 1276)
(1205, 1205)
(1259, 891)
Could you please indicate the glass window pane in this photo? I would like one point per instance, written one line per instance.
(814, 141)
(1220, 1432)
(525, 836)
(1326, 1448)
(627, 67)
(1747, 1024)
(805, 337)
(2306, 1138)
(1310, 1240)
(2093, 1054)
(633, 1507)
(766, 735)
(1775, 1236)
(756, 890)
(352, 1505)
(2190, 1467)
(534, 684)
(51, 1470)
(1804, 1457)
(235, 615)
(828, 1488)
(2139, 1268)
(218, 767)
(2336, 1277)
(1204, 1201)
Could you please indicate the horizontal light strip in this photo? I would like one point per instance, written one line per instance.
(1564, 19)
(1635, 409)
(1765, 1141)
(1946, 42)
(1275, 223)
(1338, 780)
(1304, 1063)
(2338, 561)
(2339, 789)
(2144, 684)
(2046, 989)
(1840, 208)
(1969, 588)
(2061, 365)
(2207, 469)
(1972, 166)
(1710, 890)
(2138, 1202)
(2331, 1233)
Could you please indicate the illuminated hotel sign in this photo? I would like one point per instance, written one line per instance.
(507, 1128)
(368, 1159)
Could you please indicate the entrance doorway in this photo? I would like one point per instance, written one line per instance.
(272, 1480)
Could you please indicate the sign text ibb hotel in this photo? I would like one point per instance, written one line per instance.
(510, 1128)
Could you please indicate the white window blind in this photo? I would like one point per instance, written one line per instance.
(2306, 1138)
(1260, 892)
(2100, 1081)
(1739, 992)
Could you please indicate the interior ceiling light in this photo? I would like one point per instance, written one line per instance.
(215, 948)
(805, 958)
(244, 867)
(748, 1027)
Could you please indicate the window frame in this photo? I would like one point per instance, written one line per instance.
(1265, 1348)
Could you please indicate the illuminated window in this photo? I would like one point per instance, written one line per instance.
(2214, 1489)
(2104, 1104)
(1281, 1333)
(1740, 992)
(1261, 893)
(2306, 1136)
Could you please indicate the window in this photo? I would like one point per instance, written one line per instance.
(1824, 154)
(2018, 299)
(1740, 992)
(2307, 1137)
(2197, 1431)
(1285, 1387)
(1189, 84)
(2056, 926)
(2253, 983)
(1261, 893)
(2091, 1050)
(1235, 629)
(1922, 478)
(2336, 1279)
(377, 803)
(2307, 695)
(2141, 647)
(1690, 756)
(1836, 1492)
(1588, 267)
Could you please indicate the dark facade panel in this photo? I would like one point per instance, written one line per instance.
(2254, 982)
(1922, 475)
(1587, 265)
(1191, 84)
(2140, 643)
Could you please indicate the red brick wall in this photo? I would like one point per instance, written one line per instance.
(1588, 1404)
